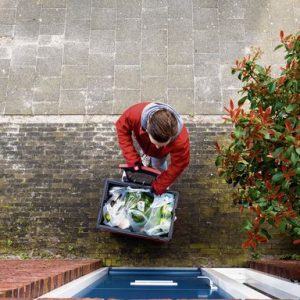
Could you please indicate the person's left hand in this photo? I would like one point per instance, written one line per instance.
(153, 191)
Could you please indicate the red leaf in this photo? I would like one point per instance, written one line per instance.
(217, 146)
(268, 185)
(261, 239)
(282, 79)
(281, 35)
(288, 125)
(297, 128)
(226, 118)
(253, 244)
(296, 242)
(290, 45)
(231, 104)
(246, 244)
(269, 110)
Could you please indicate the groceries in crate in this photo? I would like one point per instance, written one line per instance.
(139, 210)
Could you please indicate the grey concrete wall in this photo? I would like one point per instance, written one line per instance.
(100, 56)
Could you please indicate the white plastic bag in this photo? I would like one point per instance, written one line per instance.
(137, 219)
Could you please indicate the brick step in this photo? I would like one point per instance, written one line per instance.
(32, 278)
(289, 269)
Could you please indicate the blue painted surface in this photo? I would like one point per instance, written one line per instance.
(116, 284)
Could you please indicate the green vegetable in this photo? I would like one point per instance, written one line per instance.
(132, 199)
(166, 211)
(107, 217)
(137, 219)
(163, 220)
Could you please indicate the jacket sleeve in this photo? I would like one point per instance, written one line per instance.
(180, 159)
(124, 126)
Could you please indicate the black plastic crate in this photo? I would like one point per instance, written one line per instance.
(109, 183)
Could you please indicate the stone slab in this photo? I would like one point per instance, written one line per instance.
(123, 45)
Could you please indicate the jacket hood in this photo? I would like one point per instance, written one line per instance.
(151, 108)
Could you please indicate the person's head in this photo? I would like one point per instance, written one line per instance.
(162, 127)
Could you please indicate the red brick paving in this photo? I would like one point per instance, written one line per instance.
(289, 269)
(28, 279)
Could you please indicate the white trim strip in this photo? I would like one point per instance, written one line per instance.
(234, 288)
(74, 287)
(270, 284)
(154, 283)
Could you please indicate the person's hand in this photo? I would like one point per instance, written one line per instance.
(137, 166)
(153, 191)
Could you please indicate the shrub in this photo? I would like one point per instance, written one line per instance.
(263, 158)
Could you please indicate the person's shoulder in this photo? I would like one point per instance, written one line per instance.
(184, 134)
(139, 105)
(182, 139)
(136, 108)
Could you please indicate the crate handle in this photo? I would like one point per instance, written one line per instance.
(142, 169)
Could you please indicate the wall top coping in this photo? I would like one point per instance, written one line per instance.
(218, 119)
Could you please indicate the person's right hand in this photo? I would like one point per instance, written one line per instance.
(137, 166)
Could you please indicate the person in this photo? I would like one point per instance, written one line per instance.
(159, 130)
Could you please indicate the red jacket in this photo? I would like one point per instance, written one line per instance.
(179, 149)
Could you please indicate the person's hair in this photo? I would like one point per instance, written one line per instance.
(162, 125)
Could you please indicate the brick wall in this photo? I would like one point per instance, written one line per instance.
(51, 178)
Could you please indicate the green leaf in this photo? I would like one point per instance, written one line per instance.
(298, 150)
(277, 177)
(262, 221)
(282, 225)
(293, 84)
(218, 161)
(289, 151)
(263, 203)
(266, 134)
(244, 121)
(298, 191)
(247, 226)
(242, 100)
(238, 132)
(293, 222)
(297, 230)
(271, 221)
(272, 87)
(240, 167)
(277, 152)
(265, 232)
(290, 138)
(294, 158)
(278, 46)
(297, 171)
(285, 185)
(250, 95)
(291, 107)
(260, 69)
